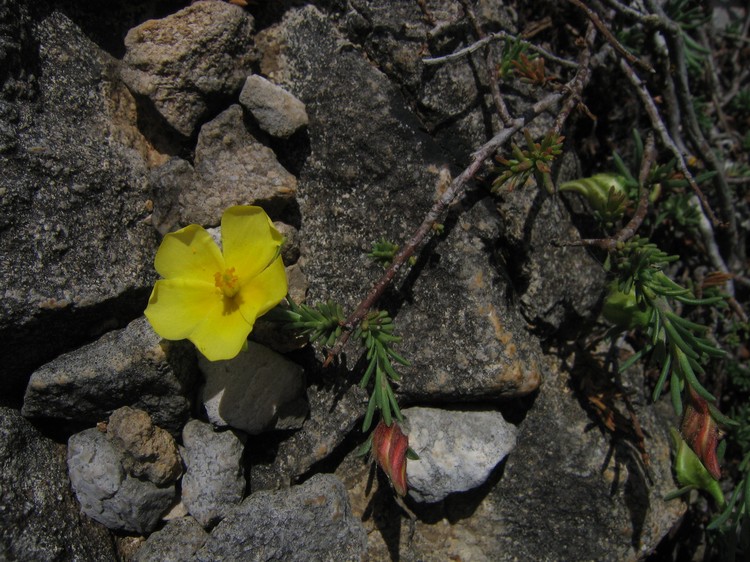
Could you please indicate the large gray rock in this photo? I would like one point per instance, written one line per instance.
(256, 391)
(457, 450)
(189, 61)
(214, 481)
(176, 542)
(369, 157)
(39, 517)
(107, 492)
(560, 285)
(129, 367)
(76, 254)
(231, 168)
(305, 523)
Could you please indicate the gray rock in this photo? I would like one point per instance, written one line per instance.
(176, 542)
(39, 517)
(277, 111)
(129, 367)
(478, 345)
(77, 256)
(214, 481)
(231, 168)
(335, 409)
(457, 450)
(256, 391)
(552, 298)
(187, 62)
(310, 522)
(148, 451)
(106, 492)
(368, 157)
(169, 181)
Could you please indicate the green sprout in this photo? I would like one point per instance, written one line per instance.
(383, 252)
(376, 333)
(535, 159)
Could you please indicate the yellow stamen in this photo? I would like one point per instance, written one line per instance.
(228, 282)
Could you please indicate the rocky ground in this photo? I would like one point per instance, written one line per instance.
(122, 122)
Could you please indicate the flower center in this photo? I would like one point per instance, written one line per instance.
(227, 282)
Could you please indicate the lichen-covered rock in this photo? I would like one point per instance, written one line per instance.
(457, 450)
(39, 517)
(277, 111)
(149, 451)
(176, 542)
(189, 61)
(105, 490)
(312, 521)
(214, 481)
(129, 367)
(256, 391)
(73, 200)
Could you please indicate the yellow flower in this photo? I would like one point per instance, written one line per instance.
(211, 298)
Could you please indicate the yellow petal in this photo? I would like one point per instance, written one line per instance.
(249, 240)
(223, 332)
(189, 253)
(177, 306)
(264, 291)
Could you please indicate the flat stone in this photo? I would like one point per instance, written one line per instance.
(214, 481)
(129, 367)
(39, 516)
(312, 521)
(256, 391)
(277, 111)
(457, 450)
(188, 61)
(106, 492)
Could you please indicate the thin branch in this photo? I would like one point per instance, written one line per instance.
(604, 29)
(664, 136)
(489, 55)
(673, 34)
(456, 186)
(454, 191)
(498, 36)
(646, 19)
(578, 83)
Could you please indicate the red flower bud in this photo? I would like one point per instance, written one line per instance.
(389, 446)
(701, 432)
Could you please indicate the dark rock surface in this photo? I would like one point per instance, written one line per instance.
(128, 367)
(39, 517)
(312, 521)
(75, 254)
(177, 541)
(369, 157)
